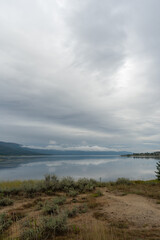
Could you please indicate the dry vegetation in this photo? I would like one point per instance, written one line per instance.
(79, 210)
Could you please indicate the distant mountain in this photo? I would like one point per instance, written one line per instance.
(75, 152)
(7, 148)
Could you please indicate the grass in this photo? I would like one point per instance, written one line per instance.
(145, 188)
(99, 231)
(98, 193)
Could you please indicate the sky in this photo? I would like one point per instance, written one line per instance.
(80, 75)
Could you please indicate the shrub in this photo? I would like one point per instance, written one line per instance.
(67, 183)
(50, 208)
(72, 212)
(44, 228)
(56, 225)
(51, 183)
(39, 205)
(6, 202)
(85, 184)
(32, 234)
(5, 222)
(72, 193)
(82, 208)
(59, 200)
(123, 181)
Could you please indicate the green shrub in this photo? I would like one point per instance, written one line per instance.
(44, 228)
(39, 205)
(6, 202)
(123, 181)
(72, 193)
(50, 208)
(67, 183)
(51, 183)
(72, 212)
(54, 226)
(59, 200)
(5, 222)
(32, 234)
(85, 185)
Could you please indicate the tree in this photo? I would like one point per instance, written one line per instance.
(158, 170)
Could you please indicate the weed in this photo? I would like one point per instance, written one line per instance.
(75, 229)
(32, 234)
(98, 193)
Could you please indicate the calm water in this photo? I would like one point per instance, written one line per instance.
(106, 167)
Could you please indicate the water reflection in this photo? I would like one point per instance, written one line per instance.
(104, 167)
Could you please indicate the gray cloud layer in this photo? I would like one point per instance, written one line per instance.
(77, 74)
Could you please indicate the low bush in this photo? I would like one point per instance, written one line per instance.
(123, 181)
(6, 202)
(54, 225)
(5, 222)
(50, 208)
(82, 208)
(49, 186)
(72, 212)
(72, 193)
(59, 200)
(45, 228)
(67, 183)
(86, 185)
(39, 205)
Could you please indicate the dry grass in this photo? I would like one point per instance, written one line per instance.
(145, 188)
(99, 231)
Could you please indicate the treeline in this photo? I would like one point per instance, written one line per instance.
(147, 154)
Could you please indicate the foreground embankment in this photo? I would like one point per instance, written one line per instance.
(79, 210)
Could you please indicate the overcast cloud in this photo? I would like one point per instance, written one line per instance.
(80, 74)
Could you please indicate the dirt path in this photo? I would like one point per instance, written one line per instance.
(137, 211)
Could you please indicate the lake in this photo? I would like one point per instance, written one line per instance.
(105, 167)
